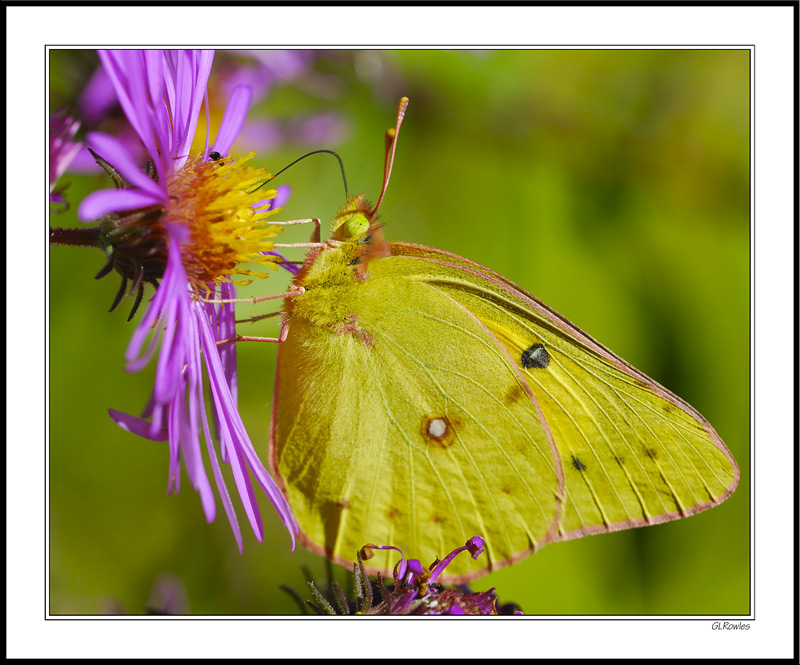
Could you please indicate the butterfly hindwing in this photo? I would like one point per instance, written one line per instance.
(410, 424)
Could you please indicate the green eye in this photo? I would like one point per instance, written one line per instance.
(356, 225)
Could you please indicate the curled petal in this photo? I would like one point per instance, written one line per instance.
(400, 568)
(474, 545)
(137, 426)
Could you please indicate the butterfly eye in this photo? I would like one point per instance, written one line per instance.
(356, 225)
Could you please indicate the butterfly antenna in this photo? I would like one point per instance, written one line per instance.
(299, 159)
(391, 144)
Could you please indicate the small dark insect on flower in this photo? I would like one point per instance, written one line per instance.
(215, 156)
(414, 590)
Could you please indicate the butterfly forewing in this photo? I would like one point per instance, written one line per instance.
(633, 453)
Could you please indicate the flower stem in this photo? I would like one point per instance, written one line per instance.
(87, 237)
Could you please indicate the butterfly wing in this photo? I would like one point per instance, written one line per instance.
(409, 424)
(447, 402)
(633, 453)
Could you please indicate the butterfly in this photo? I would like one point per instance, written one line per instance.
(422, 399)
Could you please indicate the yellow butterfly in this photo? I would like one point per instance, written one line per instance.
(422, 399)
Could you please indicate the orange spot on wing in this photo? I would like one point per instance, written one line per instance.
(439, 430)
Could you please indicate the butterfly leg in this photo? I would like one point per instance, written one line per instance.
(246, 338)
(260, 317)
(293, 292)
(315, 234)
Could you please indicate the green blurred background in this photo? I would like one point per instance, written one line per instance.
(613, 185)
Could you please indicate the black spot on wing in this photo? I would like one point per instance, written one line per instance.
(577, 464)
(535, 356)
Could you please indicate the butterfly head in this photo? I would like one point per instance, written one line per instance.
(354, 219)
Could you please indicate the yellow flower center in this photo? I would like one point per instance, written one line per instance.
(217, 202)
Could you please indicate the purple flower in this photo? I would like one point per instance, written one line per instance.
(63, 149)
(185, 224)
(415, 589)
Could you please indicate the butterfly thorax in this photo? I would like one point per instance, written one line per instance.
(332, 275)
(329, 279)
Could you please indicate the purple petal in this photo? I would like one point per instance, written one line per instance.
(195, 376)
(97, 98)
(156, 84)
(233, 119)
(190, 439)
(106, 201)
(291, 267)
(221, 487)
(232, 426)
(173, 339)
(173, 289)
(402, 566)
(475, 547)
(136, 426)
(126, 69)
(115, 153)
(188, 105)
(281, 196)
(173, 427)
(226, 432)
(227, 330)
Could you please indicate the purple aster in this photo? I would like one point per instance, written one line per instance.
(415, 589)
(185, 224)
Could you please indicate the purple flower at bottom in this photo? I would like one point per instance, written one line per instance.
(415, 590)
